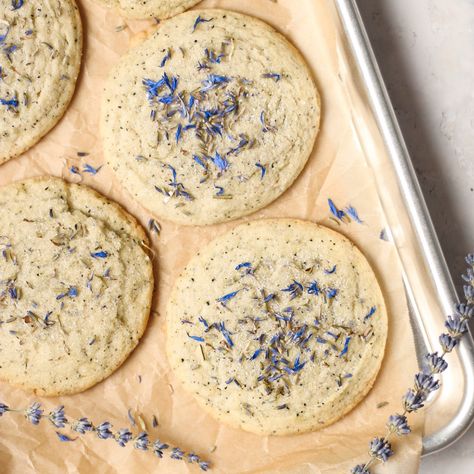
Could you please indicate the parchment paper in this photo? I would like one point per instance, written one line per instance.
(338, 169)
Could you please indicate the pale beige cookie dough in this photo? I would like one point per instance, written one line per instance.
(211, 118)
(150, 8)
(75, 286)
(277, 327)
(40, 57)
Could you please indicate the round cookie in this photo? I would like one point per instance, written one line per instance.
(75, 286)
(150, 8)
(277, 327)
(41, 46)
(211, 118)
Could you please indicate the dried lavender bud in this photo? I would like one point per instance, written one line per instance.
(469, 276)
(34, 413)
(130, 417)
(456, 326)
(103, 430)
(82, 426)
(435, 363)
(469, 293)
(360, 469)
(380, 448)
(177, 454)
(426, 383)
(141, 441)
(464, 311)
(57, 417)
(3, 408)
(398, 424)
(413, 401)
(123, 437)
(470, 259)
(448, 343)
(159, 447)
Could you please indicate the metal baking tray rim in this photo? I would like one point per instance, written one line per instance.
(418, 213)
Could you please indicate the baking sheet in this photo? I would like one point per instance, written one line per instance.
(428, 284)
(338, 169)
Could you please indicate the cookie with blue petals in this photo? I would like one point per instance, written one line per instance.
(210, 119)
(40, 57)
(277, 327)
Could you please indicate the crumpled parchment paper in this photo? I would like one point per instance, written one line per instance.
(338, 168)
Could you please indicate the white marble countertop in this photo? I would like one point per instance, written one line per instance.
(425, 49)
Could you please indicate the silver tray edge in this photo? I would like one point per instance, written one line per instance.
(418, 212)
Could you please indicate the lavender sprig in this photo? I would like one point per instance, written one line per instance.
(57, 417)
(425, 382)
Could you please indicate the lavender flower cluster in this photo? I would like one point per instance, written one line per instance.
(425, 382)
(34, 414)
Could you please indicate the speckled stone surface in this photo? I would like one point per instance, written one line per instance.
(424, 49)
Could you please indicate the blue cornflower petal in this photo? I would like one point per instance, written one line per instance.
(272, 75)
(243, 265)
(346, 346)
(16, 4)
(200, 20)
(227, 297)
(370, 313)
(313, 288)
(165, 58)
(199, 161)
(90, 169)
(352, 212)
(335, 211)
(331, 293)
(123, 437)
(262, 168)
(220, 162)
(62, 437)
(256, 354)
(9, 102)
(294, 289)
(100, 254)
